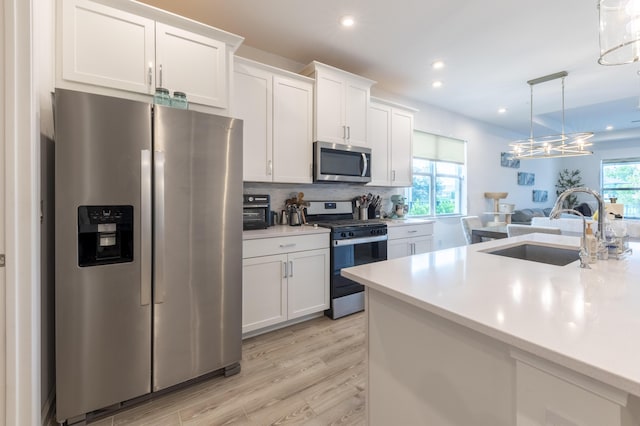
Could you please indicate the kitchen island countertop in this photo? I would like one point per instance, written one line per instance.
(586, 320)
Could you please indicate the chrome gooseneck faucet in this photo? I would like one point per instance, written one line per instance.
(555, 212)
(584, 253)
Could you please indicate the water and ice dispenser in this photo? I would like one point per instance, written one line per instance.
(105, 235)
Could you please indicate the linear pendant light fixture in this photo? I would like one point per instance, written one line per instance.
(552, 146)
(619, 31)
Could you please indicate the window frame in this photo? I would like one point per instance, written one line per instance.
(628, 189)
(433, 177)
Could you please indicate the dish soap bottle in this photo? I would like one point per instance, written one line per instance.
(592, 244)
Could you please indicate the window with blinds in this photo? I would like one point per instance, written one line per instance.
(438, 175)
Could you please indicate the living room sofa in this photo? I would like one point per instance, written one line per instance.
(524, 216)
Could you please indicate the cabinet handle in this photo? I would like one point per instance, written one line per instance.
(413, 231)
(150, 75)
(393, 175)
(270, 167)
(285, 270)
(291, 269)
(344, 132)
(413, 248)
(287, 245)
(348, 132)
(160, 75)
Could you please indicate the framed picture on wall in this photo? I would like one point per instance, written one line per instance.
(540, 196)
(507, 160)
(525, 178)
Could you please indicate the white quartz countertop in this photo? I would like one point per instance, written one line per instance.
(587, 320)
(283, 231)
(406, 222)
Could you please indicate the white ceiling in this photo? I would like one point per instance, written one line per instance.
(491, 49)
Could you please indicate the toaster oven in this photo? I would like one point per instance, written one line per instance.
(256, 212)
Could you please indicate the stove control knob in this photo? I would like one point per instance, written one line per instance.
(343, 235)
(351, 234)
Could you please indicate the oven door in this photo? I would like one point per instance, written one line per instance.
(347, 253)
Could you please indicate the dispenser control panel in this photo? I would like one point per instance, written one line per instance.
(105, 235)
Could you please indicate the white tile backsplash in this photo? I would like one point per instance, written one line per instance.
(280, 192)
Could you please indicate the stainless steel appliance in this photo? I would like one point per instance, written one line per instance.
(334, 162)
(148, 249)
(353, 242)
(256, 212)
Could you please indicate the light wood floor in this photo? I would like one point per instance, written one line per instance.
(311, 373)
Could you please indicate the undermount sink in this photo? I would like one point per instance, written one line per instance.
(538, 253)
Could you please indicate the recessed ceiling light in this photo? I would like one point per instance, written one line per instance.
(347, 21)
(609, 127)
(436, 84)
(502, 110)
(437, 65)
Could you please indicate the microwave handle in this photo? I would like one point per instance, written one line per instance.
(365, 164)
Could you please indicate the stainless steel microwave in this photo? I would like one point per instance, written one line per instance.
(333, 162)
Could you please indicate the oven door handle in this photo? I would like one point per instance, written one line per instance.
(363, 240)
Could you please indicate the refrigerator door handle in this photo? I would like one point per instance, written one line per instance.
(145, 227)
(158, 164)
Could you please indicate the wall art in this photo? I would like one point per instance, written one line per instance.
(507, 160)
(540, 196)
(525, 178)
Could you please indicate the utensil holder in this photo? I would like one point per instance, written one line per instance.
(364, 213)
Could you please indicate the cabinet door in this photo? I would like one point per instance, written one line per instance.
(292, 124)
(193, 64)
(356, 113)
(252, 102)
(106, 47)
(422, 244)
(329, 123)
(308, 287)
(264, 291)
(398, 248)
(379, 141)
(401, 140)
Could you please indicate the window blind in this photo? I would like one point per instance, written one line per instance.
(438, 148)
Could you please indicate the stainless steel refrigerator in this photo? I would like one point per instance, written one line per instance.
(148, 249)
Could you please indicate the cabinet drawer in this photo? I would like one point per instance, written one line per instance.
(407, 231)
(269, 246)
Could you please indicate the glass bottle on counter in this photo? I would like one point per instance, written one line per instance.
(179, 100)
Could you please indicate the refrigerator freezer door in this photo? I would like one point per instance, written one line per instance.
(198, 251)
(103, 318)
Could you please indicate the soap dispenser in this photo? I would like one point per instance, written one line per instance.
(592, 244)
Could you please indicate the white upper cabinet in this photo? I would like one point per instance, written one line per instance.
(292, 130)
(277, 109)
(123, 48)
(191, 63)
(107, 47)
(341, 105)
(380, 143)
(391, 138)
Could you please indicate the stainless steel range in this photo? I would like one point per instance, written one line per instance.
(353, 242)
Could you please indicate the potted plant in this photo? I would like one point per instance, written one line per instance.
(568, 179)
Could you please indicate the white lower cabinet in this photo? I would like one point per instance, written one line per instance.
(284, 278)
(547, 394)
(406, 240)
